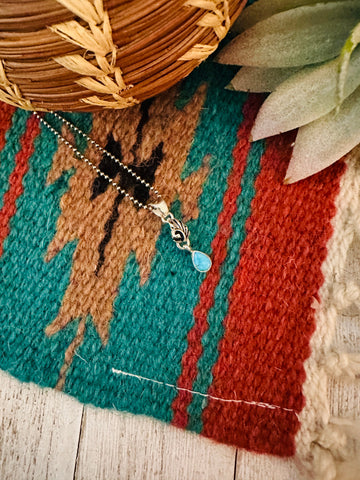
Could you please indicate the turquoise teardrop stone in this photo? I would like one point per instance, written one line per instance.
(201, 261)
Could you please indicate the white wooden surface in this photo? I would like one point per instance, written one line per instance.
(45, 434)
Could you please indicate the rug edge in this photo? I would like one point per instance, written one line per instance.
(321, 441)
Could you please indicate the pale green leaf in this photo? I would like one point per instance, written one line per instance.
(351, 43)
(262, 9)
(252, 79)
(323, 142)
(306, 96)
(301, 36)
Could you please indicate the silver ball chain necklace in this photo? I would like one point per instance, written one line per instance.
(179, 231)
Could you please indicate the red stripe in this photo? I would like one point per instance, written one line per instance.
(15, 180)
(270, 319)
(6, 113)
(219, 248)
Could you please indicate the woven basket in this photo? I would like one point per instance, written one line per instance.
(91, 54)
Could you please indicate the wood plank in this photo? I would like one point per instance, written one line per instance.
(344, 395)
(252, 466)
(39, 432)
(125, 446)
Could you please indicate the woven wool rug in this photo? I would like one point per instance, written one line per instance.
(97, 301)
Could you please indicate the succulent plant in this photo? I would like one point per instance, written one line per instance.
(305, 54)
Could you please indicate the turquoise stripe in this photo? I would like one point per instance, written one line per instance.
(217, 314)
(12, 146)
(148, 332)
(30, 288)
(81, 120)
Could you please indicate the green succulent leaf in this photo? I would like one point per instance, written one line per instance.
(324, 141)
(300, 36)
(255, 80)
(344, 60)
(304, 97)
(262, 9)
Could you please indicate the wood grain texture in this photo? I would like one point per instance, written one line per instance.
(141, 448)
(39, 432)
(252, 466)
(344, 395)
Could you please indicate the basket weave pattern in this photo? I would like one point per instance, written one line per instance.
(91, 54)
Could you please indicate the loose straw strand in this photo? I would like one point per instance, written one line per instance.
(217, 18)
(96, 37)
(10, 93)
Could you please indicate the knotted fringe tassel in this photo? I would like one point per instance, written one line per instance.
(340, 364)
(323, 442)
(331, 450)
(344, 365)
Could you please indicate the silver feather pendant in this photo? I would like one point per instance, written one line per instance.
(180, 234)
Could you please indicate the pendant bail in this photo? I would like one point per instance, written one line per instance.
(181, 235)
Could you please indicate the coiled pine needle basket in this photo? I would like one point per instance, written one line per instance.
(93, 54)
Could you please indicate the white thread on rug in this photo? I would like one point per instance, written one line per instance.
(205, 395)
